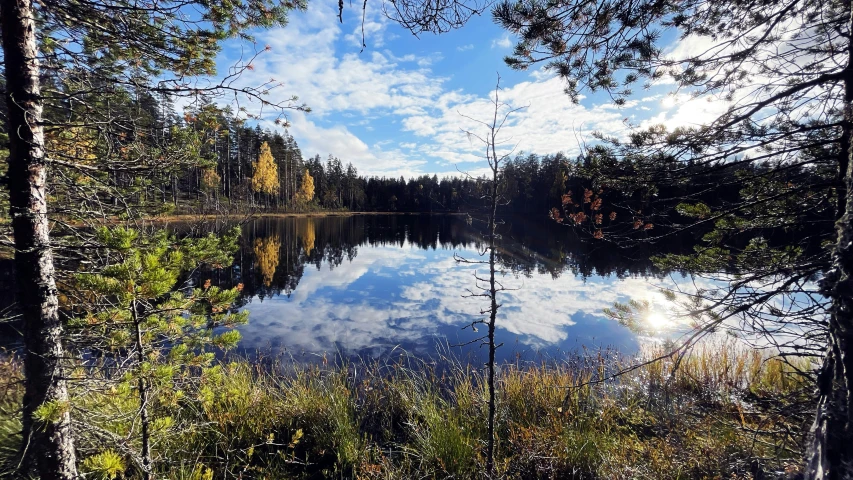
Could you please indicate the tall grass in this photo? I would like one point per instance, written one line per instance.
(726, 412)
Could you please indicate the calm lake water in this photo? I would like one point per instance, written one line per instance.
(369, 286)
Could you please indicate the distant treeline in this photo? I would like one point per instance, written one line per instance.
(534, 183)
(157, 160)
(222, 167)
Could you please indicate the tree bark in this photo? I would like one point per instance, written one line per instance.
(144, 420)
(830, 449)
(51, 446)
(493, 313)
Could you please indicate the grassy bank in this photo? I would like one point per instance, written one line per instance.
(726, 413)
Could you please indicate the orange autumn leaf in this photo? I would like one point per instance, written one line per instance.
(596, 204)
(555, 214)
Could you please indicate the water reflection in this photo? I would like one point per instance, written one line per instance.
(363, 285)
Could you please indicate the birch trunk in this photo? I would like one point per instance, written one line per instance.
(50, 446)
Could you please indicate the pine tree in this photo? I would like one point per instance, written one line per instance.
(85, 49)
(783, 71)
(156, 335)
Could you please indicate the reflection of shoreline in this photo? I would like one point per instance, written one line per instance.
(528, 247)
(389, 297)
(389, 281)
(193, 218)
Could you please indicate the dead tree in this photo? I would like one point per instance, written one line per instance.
(489, 287)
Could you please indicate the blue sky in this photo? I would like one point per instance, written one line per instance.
(398, 107)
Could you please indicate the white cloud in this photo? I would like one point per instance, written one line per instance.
(339, 141)
(502, 42)
(682, 110)
(793, 34)
(372, 32)
(542, 74)
(464, 48)
(548, 122)
(304, 61)
(431, 297)
(394, 93)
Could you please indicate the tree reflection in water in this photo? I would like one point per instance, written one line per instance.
(365, 284)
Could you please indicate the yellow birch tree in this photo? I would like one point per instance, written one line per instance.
(265, 176)
(267, 254)
(306, 192)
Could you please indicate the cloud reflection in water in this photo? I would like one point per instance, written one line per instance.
(399, 293)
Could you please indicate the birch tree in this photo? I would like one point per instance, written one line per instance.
(94, 50)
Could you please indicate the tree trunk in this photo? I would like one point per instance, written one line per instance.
(830, 449)
(144, 421)
(51, 444)
(493, 312)
(228, 176)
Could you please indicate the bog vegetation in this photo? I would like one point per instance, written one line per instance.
(727, 412)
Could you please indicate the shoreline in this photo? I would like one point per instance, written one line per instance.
(205, 216)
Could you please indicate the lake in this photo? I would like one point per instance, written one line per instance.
(370, 286)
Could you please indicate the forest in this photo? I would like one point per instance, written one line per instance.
(237, 167)
(147, 212)
(240, 167)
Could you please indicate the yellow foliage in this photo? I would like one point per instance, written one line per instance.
(266, 252)
(306, 192)
(75, 144)
(106, 465)
(265, 177)
(209, 179)
(308, 235)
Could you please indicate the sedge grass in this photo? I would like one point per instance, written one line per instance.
(719, 415)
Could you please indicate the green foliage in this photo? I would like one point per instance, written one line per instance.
(163, 39)
(442, 441)
(737, 243)
(157, 333)
(631, 314)
(50, 412)
(696, 210)
(195, 472)
(106, 465)
(11, 397)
